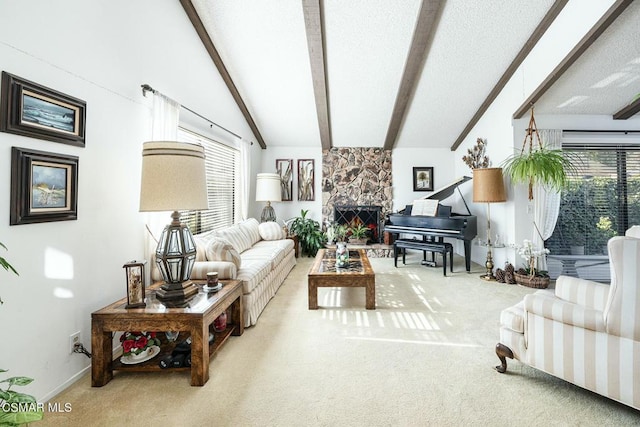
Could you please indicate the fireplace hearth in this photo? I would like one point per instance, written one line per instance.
(369, 216)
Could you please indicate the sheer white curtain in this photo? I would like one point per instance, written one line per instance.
(244, 177)
(166, 116)
(546, 202)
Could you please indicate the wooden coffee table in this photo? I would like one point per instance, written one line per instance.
(324, 273)
(194, 320)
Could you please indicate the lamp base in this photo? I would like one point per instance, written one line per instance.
(173, 292)
(268, 214)
(488, 277)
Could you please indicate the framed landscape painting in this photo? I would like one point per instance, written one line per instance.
(44, 187)
(29, 109)
(422, 179)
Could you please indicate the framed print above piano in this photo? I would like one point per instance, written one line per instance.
(422, 179)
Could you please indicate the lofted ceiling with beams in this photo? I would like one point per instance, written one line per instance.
(379, 73)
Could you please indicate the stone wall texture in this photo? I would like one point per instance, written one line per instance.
(356, 176)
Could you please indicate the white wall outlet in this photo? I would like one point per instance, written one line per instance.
(73, 340)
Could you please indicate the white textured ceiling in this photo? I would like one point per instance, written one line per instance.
(263, 45)
(604, 80)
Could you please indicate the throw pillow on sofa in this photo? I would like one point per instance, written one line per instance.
(221, 250)
(271, 231)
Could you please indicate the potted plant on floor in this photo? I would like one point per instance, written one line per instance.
(309, 233)
(358, 234)
(16, 408)
(530, 275)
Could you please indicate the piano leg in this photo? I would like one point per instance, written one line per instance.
(467, 254)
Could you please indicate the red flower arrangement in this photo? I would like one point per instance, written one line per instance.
(138, 341)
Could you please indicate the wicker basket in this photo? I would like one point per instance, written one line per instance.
(532, 282)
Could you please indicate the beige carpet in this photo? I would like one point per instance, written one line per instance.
(425, 356)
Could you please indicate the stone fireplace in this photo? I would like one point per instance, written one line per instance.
(357, 186)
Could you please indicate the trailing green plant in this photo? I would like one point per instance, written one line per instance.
(18, 408)
(536, 164)
(5, 264)
(309, 234)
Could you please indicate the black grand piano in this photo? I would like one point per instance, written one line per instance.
(444, 224)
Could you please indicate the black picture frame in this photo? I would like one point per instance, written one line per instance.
(306, 180)
(422, 178)
(44, 187)
(36, 111)
(284, 168)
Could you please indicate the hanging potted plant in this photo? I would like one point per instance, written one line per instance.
(537, 164)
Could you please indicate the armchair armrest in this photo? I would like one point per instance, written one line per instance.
(551, 307)
(583, 292)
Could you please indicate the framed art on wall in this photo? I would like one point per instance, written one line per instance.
(44, 187)
(422, 179)
(284, 168)
(29, 109)
(306, 177)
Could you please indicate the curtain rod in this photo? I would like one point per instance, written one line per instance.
(146, 88)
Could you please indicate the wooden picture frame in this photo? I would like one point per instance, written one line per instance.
(29, 109)
(135, 284)
(44, 187)
(284, 168)
(306, 179)
(423, 179)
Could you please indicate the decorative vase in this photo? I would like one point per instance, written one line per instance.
(342, 255)
(220, 324)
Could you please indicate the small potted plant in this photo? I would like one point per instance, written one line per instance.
(309, 233)
(530, 275)
(358, 234)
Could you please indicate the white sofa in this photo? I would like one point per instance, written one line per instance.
(258, 254)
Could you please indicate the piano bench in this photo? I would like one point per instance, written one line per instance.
(439, 247)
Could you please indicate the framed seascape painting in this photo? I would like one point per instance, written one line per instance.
(306, 180)
(422, 179)
(29, 109)
(284, 168)
(44, 187)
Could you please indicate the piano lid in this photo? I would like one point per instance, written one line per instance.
(447, 191)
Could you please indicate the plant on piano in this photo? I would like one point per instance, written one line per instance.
(476, 157)
(531, 254)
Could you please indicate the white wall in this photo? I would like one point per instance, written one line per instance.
(286, 210)
(69, 269)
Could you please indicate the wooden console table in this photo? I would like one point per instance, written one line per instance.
(194, 319)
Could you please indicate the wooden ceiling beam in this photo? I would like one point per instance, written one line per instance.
(217, 60)
(539, 31)
(594, 33)
(428, 16)
(628, 111)
(314, 25)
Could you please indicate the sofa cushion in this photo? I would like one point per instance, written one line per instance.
(236, 236)
(253, 271)
(251, 228)
(221, 250)
(271, 231)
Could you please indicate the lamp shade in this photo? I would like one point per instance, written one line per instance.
(268, 188)
(488, 185)
(173, 177)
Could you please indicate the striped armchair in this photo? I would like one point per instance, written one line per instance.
(585, 332)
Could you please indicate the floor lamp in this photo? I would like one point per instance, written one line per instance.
(268, 190)
(488, 187)
(173, 179)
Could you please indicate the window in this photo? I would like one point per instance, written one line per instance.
(602, 201)
(221, 164)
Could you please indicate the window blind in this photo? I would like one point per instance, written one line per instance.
(221, 165)
(603, 198)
